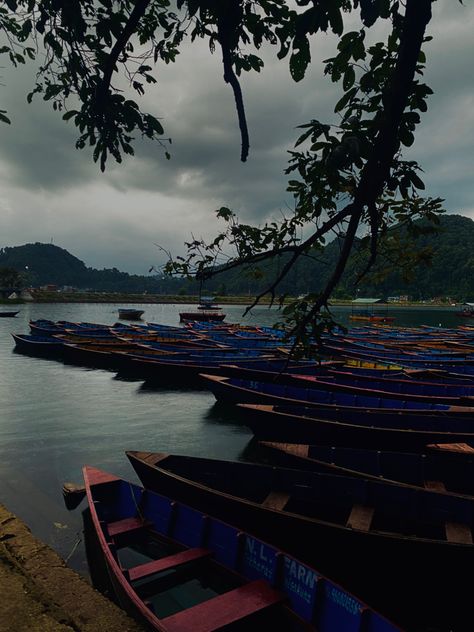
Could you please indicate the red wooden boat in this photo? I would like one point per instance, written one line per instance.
(179, 570)
(207, 310)
(372, 318)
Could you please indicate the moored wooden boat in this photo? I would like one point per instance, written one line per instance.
(9, 314)
(128, 313)
(38, 345)
(235, 390)
(297, 424)
(434, 469)
(385, 539)
(388, 390)
(207, 310)
(178, 570)
(372, 318)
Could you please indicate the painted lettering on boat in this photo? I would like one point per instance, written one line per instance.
(256, 557)
(344, 600)
(299, 579)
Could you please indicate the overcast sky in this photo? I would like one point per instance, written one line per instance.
(51, 192)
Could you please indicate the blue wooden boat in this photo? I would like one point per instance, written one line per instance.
(387, 431)
(9, 314)
(390, 390)
(234, 390)
(180, 368)
(333, 376)
(128, 313)
(407, 382)
(38, 345)
(385, 539)
(434, 469)
(456, 365)
(178, 570)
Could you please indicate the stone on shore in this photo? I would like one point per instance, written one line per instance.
(39, 593)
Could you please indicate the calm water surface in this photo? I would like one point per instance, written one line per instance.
(54, 418)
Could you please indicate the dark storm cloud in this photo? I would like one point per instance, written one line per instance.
(38, 148)
(51, 190)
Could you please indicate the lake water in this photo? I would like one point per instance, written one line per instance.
(54, 418)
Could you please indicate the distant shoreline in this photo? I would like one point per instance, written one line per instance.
(155, 299)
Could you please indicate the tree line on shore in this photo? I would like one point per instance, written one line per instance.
(447, 271)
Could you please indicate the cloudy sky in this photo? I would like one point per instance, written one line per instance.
(51, 192)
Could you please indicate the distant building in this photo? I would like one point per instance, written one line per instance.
(403, 298)
(26, 295)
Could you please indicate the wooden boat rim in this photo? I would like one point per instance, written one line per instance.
(287, 401)
(346, 471)
(361, 532)
(270, 408)
(87, 470)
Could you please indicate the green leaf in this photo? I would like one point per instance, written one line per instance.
(344, 100)
(406, 137)
(335, 18)
(349, 78)
(69, 115)
(300, 59)
(416, 181)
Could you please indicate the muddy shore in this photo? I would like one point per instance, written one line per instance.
(39, 593)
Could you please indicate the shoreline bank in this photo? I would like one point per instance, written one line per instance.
(41, 594)
(140, 299)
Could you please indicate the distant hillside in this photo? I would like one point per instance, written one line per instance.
(451, 272)
(48, 264)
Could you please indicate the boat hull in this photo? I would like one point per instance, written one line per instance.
(287, 425)
(379, 565)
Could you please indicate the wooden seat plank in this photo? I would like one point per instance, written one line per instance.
(219, 612)
(276, 500)
(360, 517)
(437, 486)
(458, 533)
(462, 448)
(125, 526)
(167, 563)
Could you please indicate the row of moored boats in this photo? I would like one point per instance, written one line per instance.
(364, 479)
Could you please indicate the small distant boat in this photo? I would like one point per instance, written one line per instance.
(372, 318)
(467, 311)
(8, 314)
(208, 310)
(130, 314)
(177, 569)
(363, 309)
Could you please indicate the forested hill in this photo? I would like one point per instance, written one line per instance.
(43, 264)
(450, 274)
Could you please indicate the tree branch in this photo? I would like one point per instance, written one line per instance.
(298, 248)
(377, 168)
(334, 280)
(137, 13)
(227, 24)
